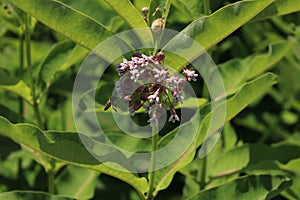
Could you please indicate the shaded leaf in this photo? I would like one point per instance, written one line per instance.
(248, 93)
(209, 30)
(66, 147)
(18, 87)
(29, 195)
(250, 187)
(65, 20)
(76, 183)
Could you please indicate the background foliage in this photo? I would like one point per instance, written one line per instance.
(256, 47)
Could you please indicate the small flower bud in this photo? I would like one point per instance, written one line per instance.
(144, 96)
(157, 25)
(137, 54)
(145, 10)
(156, 11)
(160, 56)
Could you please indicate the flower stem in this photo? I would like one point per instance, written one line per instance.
(51, 186)
(206, 7)
(50, 172)
(153, 161)
(21, 102)
(202, 173)
(29, 67)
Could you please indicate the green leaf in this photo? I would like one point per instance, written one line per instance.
(29, 195)
(253, 159)
(98, 10)
(60, 57)
(209, 30)
(65, 20)
(294, 191)
(277, 8)
(128, 12)
(66, 147)
(247, 94)
(133, 17)
(245, 188)
(18, 87)
(54, 60)
(76, 183)
(235, 72)
(263, 62)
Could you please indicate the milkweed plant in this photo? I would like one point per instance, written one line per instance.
(249, 151)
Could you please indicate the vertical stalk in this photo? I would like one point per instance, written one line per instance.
(202, 174)
(153, 161)
(206, 7)
(50, 172)
(21, 102)
(51, 185)
(29, 67)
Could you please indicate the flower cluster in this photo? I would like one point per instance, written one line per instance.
(146, 83)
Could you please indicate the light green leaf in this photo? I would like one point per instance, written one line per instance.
(18, 87)
(294, 191)
(277, 8)
(76, 183)
(263, 62)
(66, 147)
(245, 188)
(253, 159)
(54, 60)
(247, 94)
(61, 56)
(209, 30)
(29, 195)
(133, 17)
(235, 72)
(128, 12)
(65, 20)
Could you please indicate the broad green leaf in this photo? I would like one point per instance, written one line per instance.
(98, 10)
(192, 8)
(76, 183)
(18, 87)
(61, 56)
(209, 30)
(128, 12)
(245, 188)
(277, 8)
(263, 62)
(235, 72)
(66, 147)
(247, 94)
(253, 158)
(133, 17)
(11, 115)
(29, 195)
(65, 20)
(9, 55)
(294, 191)
(58, 55)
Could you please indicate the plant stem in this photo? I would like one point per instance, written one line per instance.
(29, 67)
(153, 161)
(21, 102)
(206, 7)
(50, 181)
(50, 172)
(203, 174)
